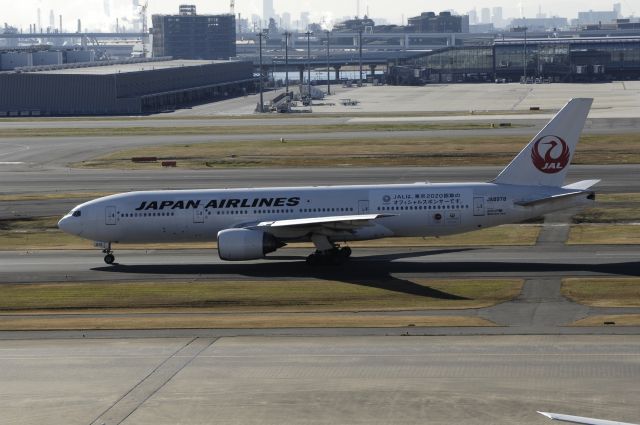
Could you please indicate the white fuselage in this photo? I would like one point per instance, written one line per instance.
(419, 209)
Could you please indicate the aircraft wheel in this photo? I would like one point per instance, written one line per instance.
(345, 252)
(109, 258)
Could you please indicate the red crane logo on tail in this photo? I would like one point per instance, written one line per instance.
(556, 157)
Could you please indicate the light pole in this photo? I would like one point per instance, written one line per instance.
(287, 34)
(328, 68)
(524, 56)
(360, 55)
(260, 35)
(308, 34)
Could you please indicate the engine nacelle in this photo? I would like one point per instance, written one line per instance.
(246, 244)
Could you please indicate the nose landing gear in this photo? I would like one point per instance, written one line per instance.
(109, 258)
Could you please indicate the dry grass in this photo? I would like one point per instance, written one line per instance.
(236, 322)
(618, 319)
(612, 208)
(618, 198)
(425, 151)
(312, 295)
(604, 234)
(609, 214)
(52, 196)
(274, 128)
(603, 292)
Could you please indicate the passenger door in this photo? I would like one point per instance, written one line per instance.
(478, 206)
(198, 214)
(110, 216)
(363, 207)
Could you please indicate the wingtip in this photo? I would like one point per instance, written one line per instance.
(545, 414)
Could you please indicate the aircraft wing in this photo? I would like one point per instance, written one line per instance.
(340, 222)
(581, 419)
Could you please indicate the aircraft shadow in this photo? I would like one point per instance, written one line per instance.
(378, 271)
(356, 272)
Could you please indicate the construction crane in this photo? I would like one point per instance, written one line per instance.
(232, 7)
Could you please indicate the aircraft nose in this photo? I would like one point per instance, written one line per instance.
(68, 225)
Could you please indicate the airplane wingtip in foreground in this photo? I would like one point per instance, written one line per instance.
(250, 223)
(581, 419)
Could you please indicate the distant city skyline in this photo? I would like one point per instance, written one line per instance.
(93, 12)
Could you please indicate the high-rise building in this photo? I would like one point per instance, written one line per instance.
(617, 7)
(304, 21)
(286, 20)
(485, 15)
(497, 19)
(192, 36)
(473, 17)
(267, 11)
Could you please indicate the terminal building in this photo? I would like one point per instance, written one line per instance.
(126, 87)
(548, 59)
(191, 36)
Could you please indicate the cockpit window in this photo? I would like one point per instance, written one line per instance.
(77, 213)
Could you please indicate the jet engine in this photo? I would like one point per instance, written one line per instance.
(246, 244)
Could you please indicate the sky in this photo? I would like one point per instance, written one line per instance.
(92, 12)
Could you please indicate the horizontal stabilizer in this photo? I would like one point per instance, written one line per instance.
(540, 201)
(582, 185)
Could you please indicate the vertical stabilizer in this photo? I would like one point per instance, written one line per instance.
(545, 160)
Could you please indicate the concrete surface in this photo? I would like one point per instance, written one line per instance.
(330, 380)
(616, 99)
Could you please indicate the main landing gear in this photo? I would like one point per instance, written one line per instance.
(334, 256)
(109, 258)
(327, 253)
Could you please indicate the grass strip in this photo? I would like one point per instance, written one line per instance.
(358, 152)
(610, 319)
(236, 322)
(233, 129)
(603, 292)
(604, 234)
(609, 214)
(312, 295)
(51, 196)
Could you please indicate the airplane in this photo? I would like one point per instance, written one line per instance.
(248, 224)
